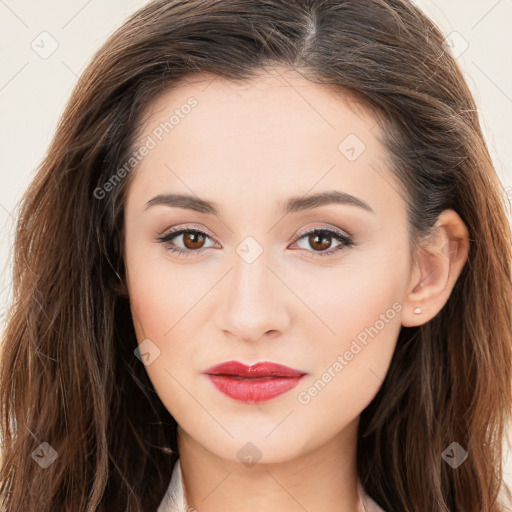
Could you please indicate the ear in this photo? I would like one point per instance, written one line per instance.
(439, 263)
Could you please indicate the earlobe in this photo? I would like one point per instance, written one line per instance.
(439, 263)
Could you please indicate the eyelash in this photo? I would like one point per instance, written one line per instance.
(346, 241)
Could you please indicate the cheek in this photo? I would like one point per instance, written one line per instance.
(162, 299)
(163, 302)
(359, 308)
(148, 303)
(353, 297)
(156, 313)
(153, 296)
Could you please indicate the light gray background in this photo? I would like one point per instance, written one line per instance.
(34, 86)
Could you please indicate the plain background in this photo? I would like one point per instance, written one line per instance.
(35, 85)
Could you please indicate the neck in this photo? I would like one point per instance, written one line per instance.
(324, 478)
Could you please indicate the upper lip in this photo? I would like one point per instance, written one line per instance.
(258, 370)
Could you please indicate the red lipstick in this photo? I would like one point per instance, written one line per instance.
(256, 383)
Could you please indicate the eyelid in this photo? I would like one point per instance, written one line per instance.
(322, 227)
(345, 239)
(197, 227)
(301, 233)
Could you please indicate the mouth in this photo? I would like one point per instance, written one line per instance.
(251, 384)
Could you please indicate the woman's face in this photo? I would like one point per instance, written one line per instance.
(254, 282)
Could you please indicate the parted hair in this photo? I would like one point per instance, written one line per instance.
(69, 376)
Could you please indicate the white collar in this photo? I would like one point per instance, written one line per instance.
(174, 498)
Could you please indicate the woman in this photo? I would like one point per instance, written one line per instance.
(264, 266)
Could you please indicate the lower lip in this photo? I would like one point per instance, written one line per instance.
(253, 390)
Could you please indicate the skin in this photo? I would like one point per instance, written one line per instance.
(249, 148)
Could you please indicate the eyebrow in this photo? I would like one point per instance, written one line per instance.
(294, 204)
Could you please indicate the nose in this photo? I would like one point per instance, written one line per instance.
(252, 302)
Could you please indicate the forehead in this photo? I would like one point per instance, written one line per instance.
(276, 132)
(284, 94)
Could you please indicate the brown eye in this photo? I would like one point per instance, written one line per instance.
(320, 241)
(192, 241)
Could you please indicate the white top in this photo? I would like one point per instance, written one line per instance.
(174, 499)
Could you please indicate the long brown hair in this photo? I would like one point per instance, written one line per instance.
(69, 374)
